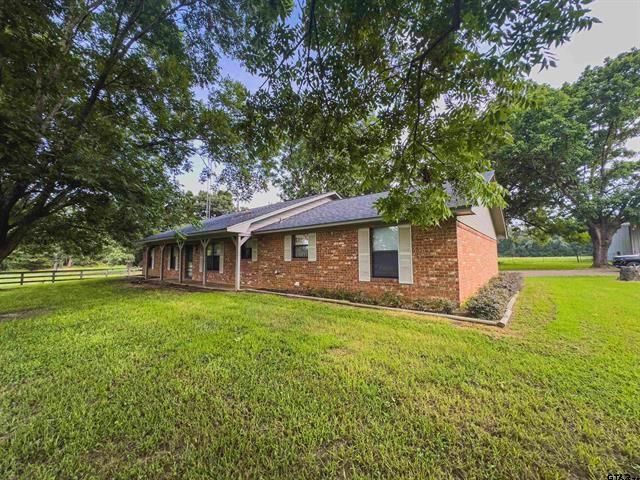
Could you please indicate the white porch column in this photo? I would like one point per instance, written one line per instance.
(162, 263)
(238, 246)
(204, 244)
(238, 242)
(145, 263)
(180, 245)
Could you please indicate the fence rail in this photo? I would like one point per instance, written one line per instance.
(23, 277)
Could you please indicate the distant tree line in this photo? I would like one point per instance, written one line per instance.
(40, 255)
(526, 246)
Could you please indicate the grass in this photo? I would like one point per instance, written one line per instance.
(100, 379)
(543, 263)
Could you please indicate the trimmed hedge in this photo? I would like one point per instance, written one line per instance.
(439, 305)
(490, 302)
(388, 299)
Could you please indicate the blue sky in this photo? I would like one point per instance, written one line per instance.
(618, 32)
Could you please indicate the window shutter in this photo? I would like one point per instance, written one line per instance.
(287, 248)
(405, 261)
(254, 250)
(364, 255)
(311, 249)
(221, 259)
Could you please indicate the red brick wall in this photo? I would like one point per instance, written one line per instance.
(477, 260)
(155, 271)
(439, 255)
(434, 265)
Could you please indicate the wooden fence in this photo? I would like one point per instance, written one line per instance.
(53, 276)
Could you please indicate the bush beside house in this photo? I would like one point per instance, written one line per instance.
(490, 302)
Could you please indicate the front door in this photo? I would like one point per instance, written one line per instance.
(188, 261)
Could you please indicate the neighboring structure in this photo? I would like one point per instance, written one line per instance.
(626, 241)
(325, 242)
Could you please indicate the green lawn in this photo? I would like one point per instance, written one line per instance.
(543, 263)
(99, 379)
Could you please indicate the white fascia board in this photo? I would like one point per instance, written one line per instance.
(248, 226)
(499, 223)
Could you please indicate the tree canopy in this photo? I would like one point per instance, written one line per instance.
(104, 102)
(201, 207)
(99, 112)
(569, 167)
(402, 95)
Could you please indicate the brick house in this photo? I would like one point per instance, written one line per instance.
(326, 242)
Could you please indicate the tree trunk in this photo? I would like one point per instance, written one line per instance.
(601, 240)
(7, 247)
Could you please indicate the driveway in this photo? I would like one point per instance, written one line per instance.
(586, 272)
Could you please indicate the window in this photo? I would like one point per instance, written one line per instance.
(150, 259)
(300, 246)
(172, 258)
(245, 251)
(213, 257)
(384, 252)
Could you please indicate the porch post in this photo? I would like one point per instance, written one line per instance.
(204, 244)
(238, 246)
(162, 262)
(180, 245)
(145, 262)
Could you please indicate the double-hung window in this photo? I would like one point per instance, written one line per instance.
(300, 246)
(245, 251)
(213, 257)
(173, 258)
(384, 252)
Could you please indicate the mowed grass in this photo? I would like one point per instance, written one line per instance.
(102, 379)
(543, 263)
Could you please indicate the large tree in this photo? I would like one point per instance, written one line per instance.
(99, 112)
(403, 95)
(569, 165)
(98, 104)
(203, 206)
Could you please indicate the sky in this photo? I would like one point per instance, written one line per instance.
(618, 32)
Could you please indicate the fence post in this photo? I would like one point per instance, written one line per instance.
(81, 274)
(53, 276)
(21, 278)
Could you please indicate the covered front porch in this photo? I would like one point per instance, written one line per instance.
(208, 261)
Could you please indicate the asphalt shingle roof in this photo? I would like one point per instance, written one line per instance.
(221, 222)
(334, 211)
(345, 210)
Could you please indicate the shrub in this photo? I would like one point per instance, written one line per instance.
(491, 300)
(339, 294)
(390, 299)
(440, 305)
(511, 281)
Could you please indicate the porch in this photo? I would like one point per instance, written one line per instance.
(197, 262)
